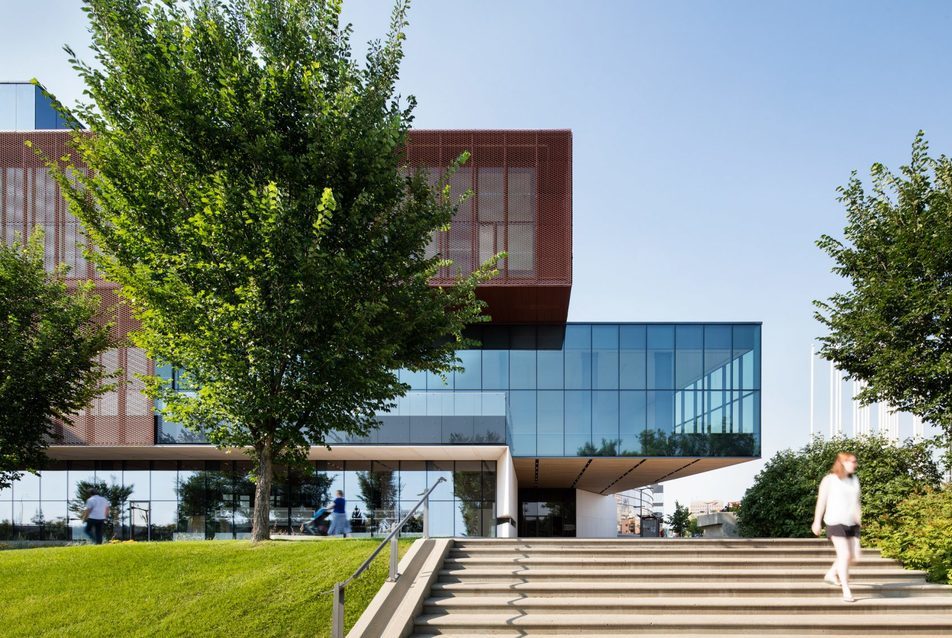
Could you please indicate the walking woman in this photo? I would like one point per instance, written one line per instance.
(339, 523)
(837, 506)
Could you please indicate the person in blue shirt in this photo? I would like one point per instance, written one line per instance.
(339, 523)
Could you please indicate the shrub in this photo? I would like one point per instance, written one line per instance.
(782, 499)
(919, 535)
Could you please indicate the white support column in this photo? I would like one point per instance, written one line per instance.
(812, 362)
(595, 515)
(918, 427)
(832, 399)
(507, 497)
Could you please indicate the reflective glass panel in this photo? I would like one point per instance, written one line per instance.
(605, 432)
(522, 417)
(578, 422)
(522, 366)
(632, 421)
(549, 370)
(717, 357)
(689, 359)
(550, 410)
(495, 369)
(470, 378)
(632, 358)
(660, 342)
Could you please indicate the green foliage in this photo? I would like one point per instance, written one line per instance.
(680, 520)
(782, 499)
(49, 349)
(693, 529)
(185, 589)
(379, 493)
(919, 535)
(117, 495)
(893, 329)
(249, 194)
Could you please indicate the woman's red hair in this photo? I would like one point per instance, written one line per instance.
(838, 468)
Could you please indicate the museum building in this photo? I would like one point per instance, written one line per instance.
(544, 424)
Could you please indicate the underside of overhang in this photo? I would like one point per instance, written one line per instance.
(603, 475)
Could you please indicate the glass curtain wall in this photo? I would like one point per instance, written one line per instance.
(195, 500)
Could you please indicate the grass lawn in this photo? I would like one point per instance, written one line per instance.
(225, 588)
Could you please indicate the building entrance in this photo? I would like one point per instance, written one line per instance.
(546, 513)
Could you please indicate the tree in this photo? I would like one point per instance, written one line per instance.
(117, 495)
(248, 192)
(782, 499)
(693, 529)
(893, 328)
(680, 520)
(50, 344)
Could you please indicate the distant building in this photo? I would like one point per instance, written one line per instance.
(699, 508)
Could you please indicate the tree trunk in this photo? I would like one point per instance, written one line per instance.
(260, 530)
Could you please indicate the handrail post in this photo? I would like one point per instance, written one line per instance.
(426, 516)
(337, 612)
(394, 551)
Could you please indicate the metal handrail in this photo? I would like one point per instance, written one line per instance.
(337, 612)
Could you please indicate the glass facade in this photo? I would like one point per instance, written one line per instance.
(585, 390)
(24, 107)
(192, 500)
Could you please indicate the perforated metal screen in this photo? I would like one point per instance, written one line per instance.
(30, 199)
(522, 204)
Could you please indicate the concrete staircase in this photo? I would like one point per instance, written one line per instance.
(667, 587)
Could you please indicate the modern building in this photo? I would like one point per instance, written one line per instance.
(699, 508)
(547, 421)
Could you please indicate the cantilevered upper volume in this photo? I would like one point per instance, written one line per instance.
(521, 204)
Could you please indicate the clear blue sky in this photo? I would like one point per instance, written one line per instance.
(709, 139)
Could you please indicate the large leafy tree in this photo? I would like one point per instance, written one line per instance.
(50, 344)
(248, 193)
(782, 499)
(893, 328)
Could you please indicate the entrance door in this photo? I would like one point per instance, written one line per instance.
(546, 512)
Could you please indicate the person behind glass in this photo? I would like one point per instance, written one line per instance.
(339, 516)
(837, 506)
(95, 515)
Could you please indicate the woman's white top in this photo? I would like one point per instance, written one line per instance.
(842, 500)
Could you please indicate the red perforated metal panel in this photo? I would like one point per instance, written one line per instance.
(30, 199)
(522, 204)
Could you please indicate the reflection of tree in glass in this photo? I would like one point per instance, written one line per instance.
(117, 495)
(467, 487)
(661, 443)
(489, 437)
(379, 493)
(609, 447)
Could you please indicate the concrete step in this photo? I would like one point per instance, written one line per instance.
(924, 624)
(655, 575)
(642, 542)
(687, 588)
(689, 552)
(652, 562)
(569, 603)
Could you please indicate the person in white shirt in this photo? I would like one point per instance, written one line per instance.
(837, 506)
(95, 515)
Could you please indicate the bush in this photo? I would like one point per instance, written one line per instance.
(782, 499)
(919, 535)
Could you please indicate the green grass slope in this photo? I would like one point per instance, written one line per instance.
(227, 589)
